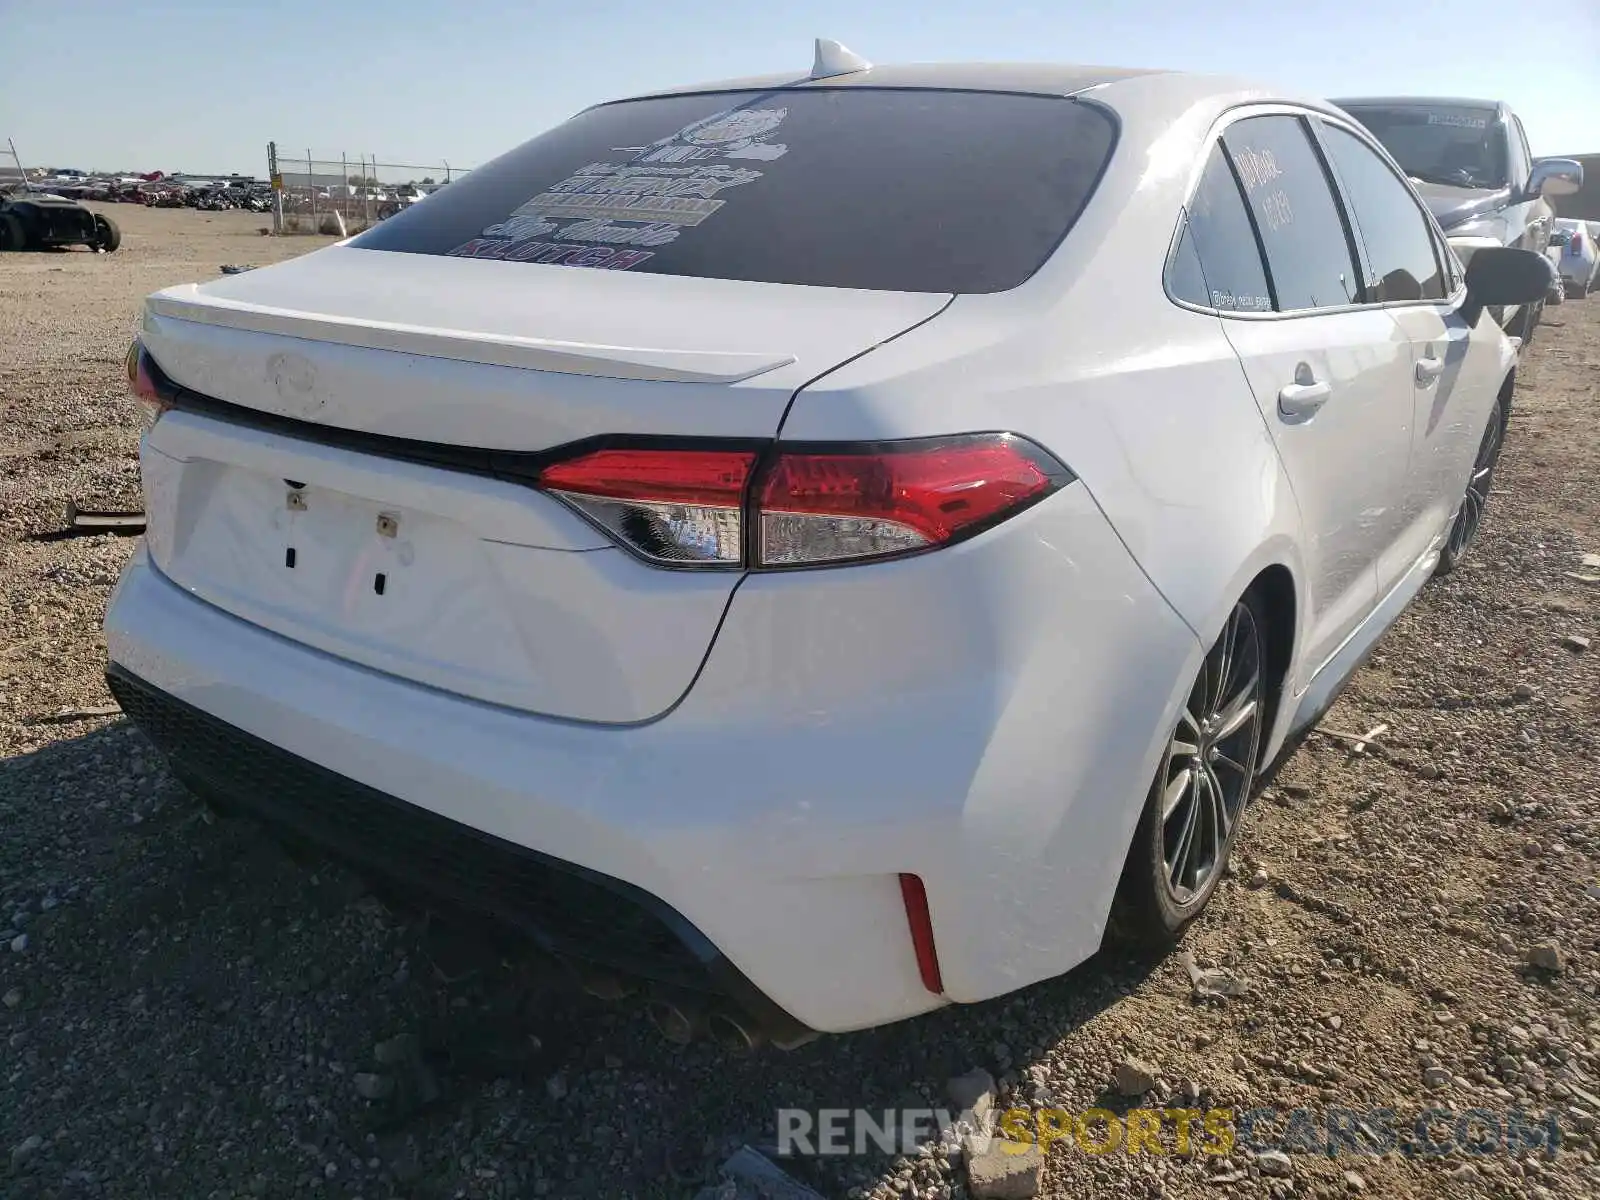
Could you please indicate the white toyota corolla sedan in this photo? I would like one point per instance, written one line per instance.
(828, 546)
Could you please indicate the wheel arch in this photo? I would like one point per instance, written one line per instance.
(1272, 593)
(1508, 387)
(1274, 586)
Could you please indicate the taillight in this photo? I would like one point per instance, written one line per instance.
(876, 501)
(142, 383)
(677, 507)
(802, 505)
(1576, 243)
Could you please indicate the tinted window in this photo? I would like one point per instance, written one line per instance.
(1287, 190)
(1457, 147)
(919, 191)
(1400, 255)
(1218, 263)
(1523, 166)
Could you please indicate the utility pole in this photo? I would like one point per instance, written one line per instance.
(21, 170)
(277, 188)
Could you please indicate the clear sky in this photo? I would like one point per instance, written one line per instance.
(201, 85)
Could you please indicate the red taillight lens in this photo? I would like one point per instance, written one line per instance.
(675, 507)
(834, 507)
(142, 383)
(810, 507)
(1576, 243)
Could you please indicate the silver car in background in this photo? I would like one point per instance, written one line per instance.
(1471, 163)
(1575, 250)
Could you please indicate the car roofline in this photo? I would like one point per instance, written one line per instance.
(1043, 79)
(1499, 106)
(1114, 85)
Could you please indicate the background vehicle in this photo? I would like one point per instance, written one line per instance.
(1579, 255)
(647, 546)
(37, 220)
(1470, 161)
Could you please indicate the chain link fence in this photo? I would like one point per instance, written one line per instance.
(343, 192)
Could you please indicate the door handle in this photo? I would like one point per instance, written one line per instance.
(1429, 369)
(1303, 398)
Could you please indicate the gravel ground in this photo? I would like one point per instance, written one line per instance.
(187, 1012)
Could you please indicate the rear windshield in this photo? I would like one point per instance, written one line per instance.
(1445, 144)
(915, 191)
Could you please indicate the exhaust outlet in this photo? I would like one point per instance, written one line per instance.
(734, 1032)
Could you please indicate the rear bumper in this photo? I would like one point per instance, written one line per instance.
(987, 718)
(563, 908)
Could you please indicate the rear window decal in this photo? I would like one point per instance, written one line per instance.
(558, 253)
(834, 187)
(654, 202)
(735, 133)
(1458, 121)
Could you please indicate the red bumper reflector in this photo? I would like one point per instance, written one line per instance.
(921, 923)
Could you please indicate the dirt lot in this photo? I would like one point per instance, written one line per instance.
(188, 1013)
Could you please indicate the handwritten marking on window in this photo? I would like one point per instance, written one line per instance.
(1257, 167)
(1277, 210)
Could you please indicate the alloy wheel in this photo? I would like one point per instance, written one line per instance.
(1210, 761)
(1470, 515)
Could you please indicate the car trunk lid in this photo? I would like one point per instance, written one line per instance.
(352, 496)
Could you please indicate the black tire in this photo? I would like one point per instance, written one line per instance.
(1200, 796)
(1580, 291)
(1531, 317)
(107, 236)
(1475, 500)
(12, 234)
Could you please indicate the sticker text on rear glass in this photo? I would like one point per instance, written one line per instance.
(646, 201)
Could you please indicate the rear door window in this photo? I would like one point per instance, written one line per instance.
(897, 190)
(1218, 260)
(1401, 264)
(1307, 246)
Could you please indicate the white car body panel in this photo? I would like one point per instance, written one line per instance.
(829, 791)
(987, 716)
(509, 599)
(1447, 419)
(599, 341)
(1346, 462)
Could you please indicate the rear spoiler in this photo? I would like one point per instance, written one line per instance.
(187, 303)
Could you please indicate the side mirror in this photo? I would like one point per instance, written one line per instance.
(1556, 177)
(1504, 277)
